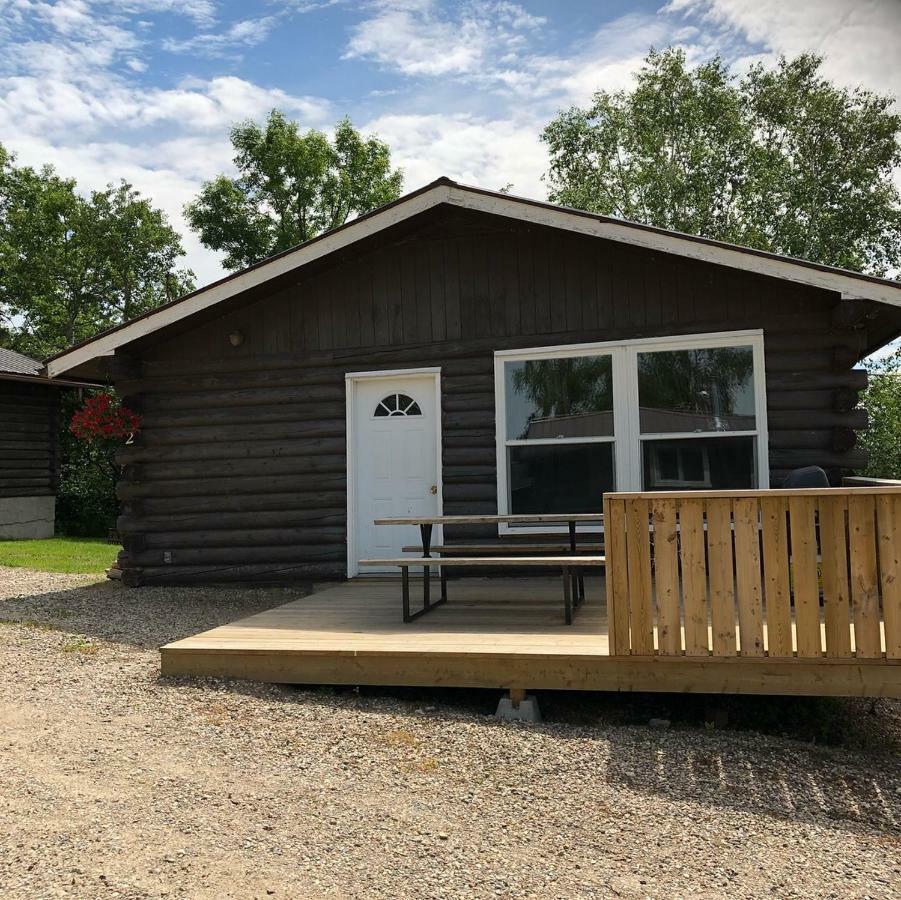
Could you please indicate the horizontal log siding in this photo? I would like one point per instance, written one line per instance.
(28, 414)
(240, 470)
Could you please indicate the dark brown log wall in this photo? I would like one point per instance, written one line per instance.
(240, 469)
(28, 415)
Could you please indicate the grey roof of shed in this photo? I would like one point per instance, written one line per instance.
(14, 363)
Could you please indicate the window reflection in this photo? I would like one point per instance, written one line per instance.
(714, 463)
(559, 398)
(708, 389)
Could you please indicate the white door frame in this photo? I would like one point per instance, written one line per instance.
(350, 382)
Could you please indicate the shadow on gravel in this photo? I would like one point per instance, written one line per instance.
(856, 788)
(148, 617)
(709, 753)
(869, 728)
(858, 791)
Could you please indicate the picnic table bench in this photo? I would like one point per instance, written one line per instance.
(571, 564)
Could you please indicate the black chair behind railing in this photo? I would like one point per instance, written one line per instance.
(808, 477)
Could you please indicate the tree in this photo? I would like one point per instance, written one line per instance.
(290, 187)
(778, 160)
(71, 266)
(882, 400)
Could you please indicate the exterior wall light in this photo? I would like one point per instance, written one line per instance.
(236, 338)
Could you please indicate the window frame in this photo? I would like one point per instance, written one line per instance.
(627, 437)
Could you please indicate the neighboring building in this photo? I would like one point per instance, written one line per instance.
(466, 351)
(29, 413)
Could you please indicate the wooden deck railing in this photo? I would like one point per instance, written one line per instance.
(777, 573)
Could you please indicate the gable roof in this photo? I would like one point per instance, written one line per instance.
(445, 191)
(14, 363)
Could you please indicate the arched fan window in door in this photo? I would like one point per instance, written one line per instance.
(398, 405)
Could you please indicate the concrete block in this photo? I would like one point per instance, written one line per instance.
(527, 711)
(27, 518)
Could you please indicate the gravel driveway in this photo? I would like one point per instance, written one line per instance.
(115, 783)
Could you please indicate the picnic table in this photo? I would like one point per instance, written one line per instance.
(571, 564)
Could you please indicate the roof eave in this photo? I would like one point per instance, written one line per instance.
(847, 284)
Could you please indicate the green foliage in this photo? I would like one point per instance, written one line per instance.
(86, 503)
(778, 160)
(706, 381)
(882, 400)
(291, 187)
(70, 555)
(565, 387)
(71, 266)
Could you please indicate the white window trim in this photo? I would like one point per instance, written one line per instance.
(627, 463)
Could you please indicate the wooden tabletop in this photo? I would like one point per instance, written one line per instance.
(520, 519)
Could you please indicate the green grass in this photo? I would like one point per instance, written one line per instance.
(74, 556)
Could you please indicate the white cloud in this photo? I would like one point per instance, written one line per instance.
(496, 45)
(202, 12)
(167, 141)
(418, 38)
(475, 81)
(860, 41)
(67, 97)
(246, 33)
(52, 107)
(607, 59)
(473, 150)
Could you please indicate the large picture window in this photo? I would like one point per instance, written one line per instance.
(661, 414)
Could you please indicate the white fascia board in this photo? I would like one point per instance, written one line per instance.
(847, 285)
(106, 345)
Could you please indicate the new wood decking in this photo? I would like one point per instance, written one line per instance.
(493, 633)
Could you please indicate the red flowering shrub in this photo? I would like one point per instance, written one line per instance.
(104, 418)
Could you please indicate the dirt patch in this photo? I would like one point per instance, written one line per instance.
(116, 783)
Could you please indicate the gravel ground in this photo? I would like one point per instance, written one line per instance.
(116, 783)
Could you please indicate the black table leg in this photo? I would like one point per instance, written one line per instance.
(578, 581)
(426, 532)
(567, 596)
(405, 590)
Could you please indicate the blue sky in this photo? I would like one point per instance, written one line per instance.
(147, 89)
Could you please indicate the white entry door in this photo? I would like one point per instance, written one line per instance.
(393, 456)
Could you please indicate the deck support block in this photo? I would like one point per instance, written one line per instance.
(518, 707)
(517, 695)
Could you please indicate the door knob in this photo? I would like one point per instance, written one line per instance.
(433, 489)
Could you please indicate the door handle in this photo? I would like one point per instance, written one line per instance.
(433, 489)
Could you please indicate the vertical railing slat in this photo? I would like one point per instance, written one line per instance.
(888, 516)
(616, 575)
(747, 576)
(722, 576)
(694, 577)
(864, 576)
(777, 588)
(805, 577)
(639, 564)
(666, 577)
(834, 564)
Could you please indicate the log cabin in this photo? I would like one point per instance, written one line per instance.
(466, 351)
(29, 464)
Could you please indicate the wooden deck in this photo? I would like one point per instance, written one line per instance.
(492, 633)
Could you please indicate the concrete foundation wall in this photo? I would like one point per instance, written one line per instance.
(27, 517)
